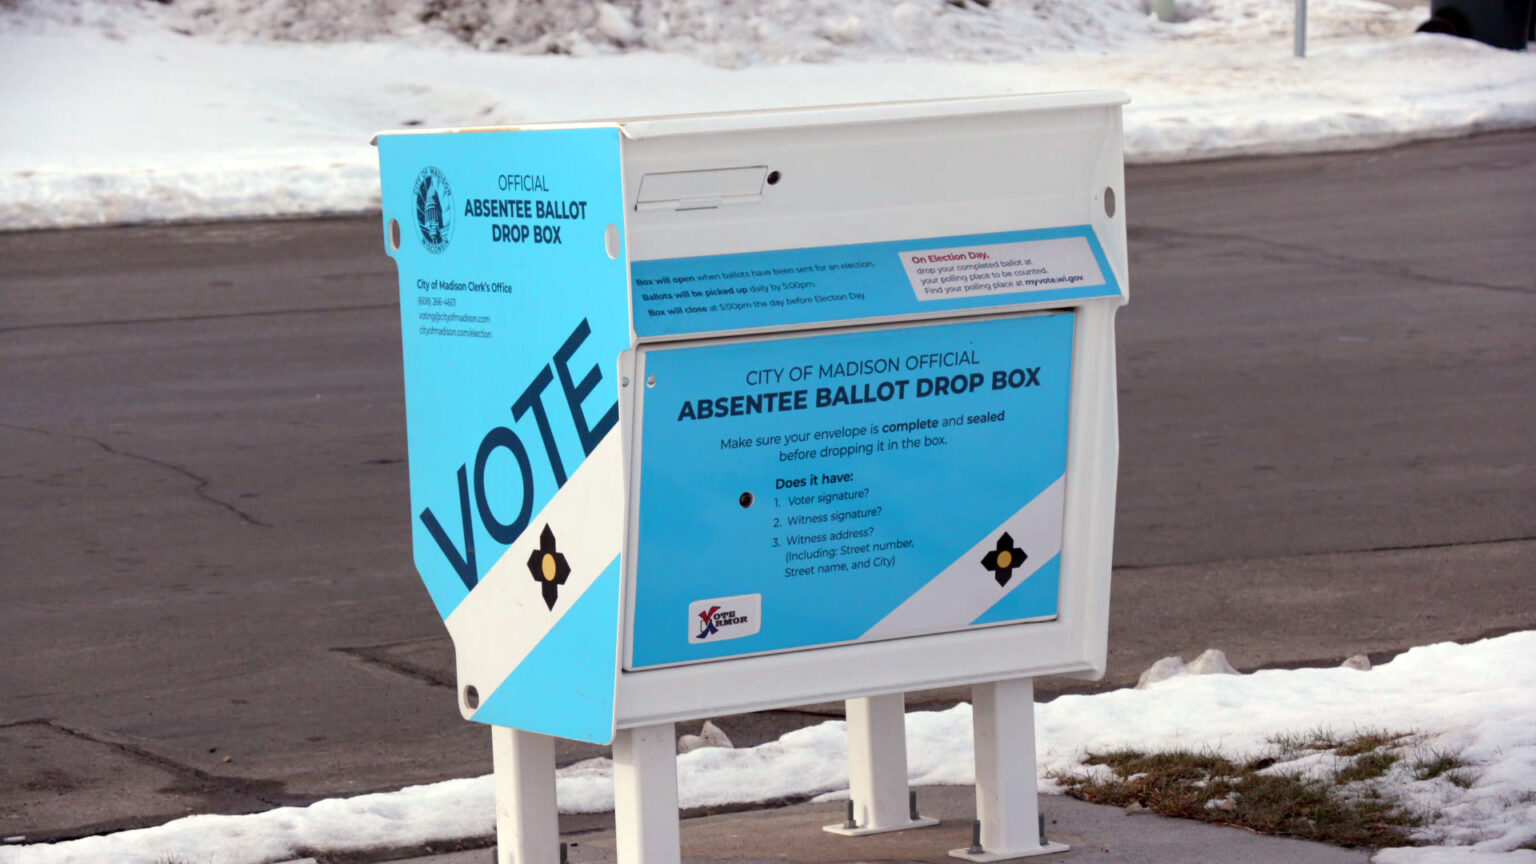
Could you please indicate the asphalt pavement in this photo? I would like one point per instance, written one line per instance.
(206, 593)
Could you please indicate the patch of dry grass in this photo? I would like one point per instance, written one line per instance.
(1212, 788)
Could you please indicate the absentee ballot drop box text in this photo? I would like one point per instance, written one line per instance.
(719, 413)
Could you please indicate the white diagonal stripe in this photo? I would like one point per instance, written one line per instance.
(504, 617)
(964, 590)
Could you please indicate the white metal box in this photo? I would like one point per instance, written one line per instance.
(721, 413)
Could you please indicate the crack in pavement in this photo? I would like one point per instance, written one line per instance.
(377, 655)
(200, 490)
(1410, 547)
(1154, 233)
(229, 785)
(219, 316)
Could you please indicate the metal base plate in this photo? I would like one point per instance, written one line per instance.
(1047, 849)
(920, 822)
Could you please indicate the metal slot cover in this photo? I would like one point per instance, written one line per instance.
(694, 190)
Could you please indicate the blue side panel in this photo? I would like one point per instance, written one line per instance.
(512, 317)
(833, 476)
(1036, 598)
(870, 280)
(565, 686)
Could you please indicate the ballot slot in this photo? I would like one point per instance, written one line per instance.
(700, 189)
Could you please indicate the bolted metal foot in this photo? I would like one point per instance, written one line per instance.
(869, 823)
(977, 853)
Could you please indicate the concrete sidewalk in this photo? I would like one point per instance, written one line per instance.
(1096, 833)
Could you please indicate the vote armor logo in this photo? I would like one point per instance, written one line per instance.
(434, 209)
(720, 618)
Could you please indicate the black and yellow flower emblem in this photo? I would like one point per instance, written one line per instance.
(548, 567)
(1003, 559)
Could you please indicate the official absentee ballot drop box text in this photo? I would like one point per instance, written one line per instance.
(720, 413)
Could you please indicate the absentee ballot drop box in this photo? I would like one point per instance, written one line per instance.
(719, 413)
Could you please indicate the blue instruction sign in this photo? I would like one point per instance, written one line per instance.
(868, 280)
(799, 492)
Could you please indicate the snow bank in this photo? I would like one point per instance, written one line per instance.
(736, 33)
(1476, 700)
(250, 108)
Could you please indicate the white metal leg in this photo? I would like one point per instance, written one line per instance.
(645, 795)
(1007, 799)
(527, 819)
(877, 767)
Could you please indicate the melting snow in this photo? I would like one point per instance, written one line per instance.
(1478, 701)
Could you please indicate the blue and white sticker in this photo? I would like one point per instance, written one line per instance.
(513, 314)
(720, 618)
(992, 269)
(857, 485)
(715, 293)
